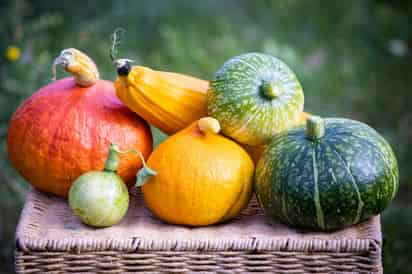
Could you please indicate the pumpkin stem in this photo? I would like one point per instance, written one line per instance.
(315, 128)
(271, 90)
(208, 124)
(78, 64)
(123, 66)
(113, 161)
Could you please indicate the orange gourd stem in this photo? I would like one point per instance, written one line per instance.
(208, 124)
(79, 65)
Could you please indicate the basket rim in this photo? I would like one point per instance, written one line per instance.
(26, 240)
(135, 244)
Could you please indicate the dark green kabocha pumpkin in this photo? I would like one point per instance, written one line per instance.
(327, 175)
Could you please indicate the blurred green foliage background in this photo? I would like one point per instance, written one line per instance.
(353, 58)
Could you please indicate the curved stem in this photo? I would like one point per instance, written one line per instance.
(138, 152)
(112, 163)
(116, 37)
(79, 65)
(123, 66)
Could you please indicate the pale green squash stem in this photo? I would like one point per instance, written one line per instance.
(271, 90)
(315, 128)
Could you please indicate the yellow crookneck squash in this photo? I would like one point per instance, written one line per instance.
(201, 177)
(169, 101)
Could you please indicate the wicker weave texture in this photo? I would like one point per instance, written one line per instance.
(51, 240)
(205, 262)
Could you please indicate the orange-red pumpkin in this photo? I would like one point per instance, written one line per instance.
(65, 128)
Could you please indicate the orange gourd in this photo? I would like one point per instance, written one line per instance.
(65, 128)
(200, 177)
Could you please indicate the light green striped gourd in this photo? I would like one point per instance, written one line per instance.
(254, 96)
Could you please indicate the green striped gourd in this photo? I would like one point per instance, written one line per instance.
(326, 175)
(254, 96)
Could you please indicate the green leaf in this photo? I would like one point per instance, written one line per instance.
(144, 174)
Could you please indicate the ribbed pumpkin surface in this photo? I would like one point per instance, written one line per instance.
(169, 101)
(64, 130)
(246, 111)
(343, 178)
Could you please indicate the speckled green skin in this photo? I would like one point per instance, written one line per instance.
(99, 198)
(236, 98)
(344, 178)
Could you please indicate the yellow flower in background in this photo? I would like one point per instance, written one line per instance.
(12, 53)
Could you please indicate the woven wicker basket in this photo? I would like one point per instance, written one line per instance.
(50, 239)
